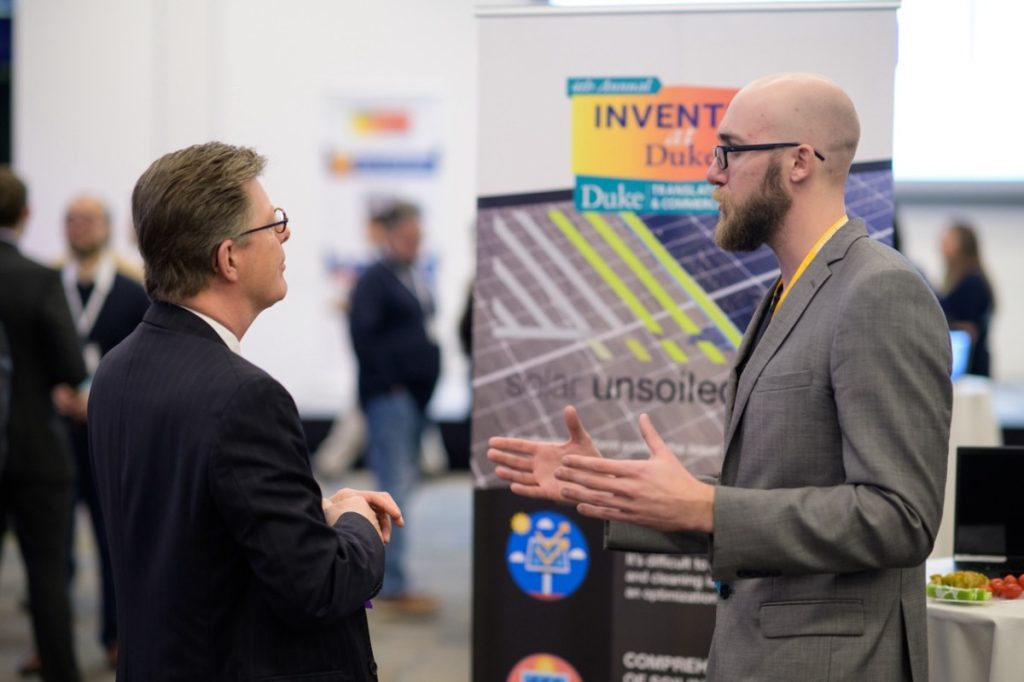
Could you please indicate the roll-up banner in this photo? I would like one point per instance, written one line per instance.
(599, 285)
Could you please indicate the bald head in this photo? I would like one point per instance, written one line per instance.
(801, 107)
(86, 225)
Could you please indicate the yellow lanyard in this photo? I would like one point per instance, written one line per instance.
(809, 257)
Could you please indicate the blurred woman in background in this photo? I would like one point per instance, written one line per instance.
(966, 295)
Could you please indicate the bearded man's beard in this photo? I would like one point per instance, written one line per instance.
(81, 253)
(748, 225)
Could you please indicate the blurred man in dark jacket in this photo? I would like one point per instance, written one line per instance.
(399, 363)
(36, 478)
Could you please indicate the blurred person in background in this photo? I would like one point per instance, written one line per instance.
(399, 364)
(345, 443)
(37, 476)
(107, 302)
(966, 295)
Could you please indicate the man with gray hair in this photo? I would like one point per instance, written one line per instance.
(227, 562)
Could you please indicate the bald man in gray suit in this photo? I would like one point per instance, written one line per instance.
(837, 420)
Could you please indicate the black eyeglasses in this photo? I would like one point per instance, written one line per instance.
(722, 150)
(279, 225)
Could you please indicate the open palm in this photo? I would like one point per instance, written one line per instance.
(529, 465)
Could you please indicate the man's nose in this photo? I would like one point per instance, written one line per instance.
(715, 175)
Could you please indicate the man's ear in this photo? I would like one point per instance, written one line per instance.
(803, 160)
(225, 260)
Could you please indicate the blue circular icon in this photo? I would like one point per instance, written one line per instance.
(547, 555)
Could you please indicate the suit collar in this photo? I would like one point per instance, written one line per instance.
(837, 247)
(176, 318)
(411, 283)
(786, 317)
(225, 334)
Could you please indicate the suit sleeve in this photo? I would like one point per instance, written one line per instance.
(890, 362)
(63, 348)
(311, 573)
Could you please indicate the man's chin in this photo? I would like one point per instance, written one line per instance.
(279, 295)
(720, 236)
(84, 253)
(728, 241)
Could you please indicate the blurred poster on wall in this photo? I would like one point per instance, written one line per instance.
(599, 285)
(376, 150)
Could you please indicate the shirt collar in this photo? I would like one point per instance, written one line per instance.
(223, 332)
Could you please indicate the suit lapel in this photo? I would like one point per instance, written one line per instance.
(744, 350)
(411, 294)
(786, 317)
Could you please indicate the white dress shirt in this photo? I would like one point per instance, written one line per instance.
(223, 332)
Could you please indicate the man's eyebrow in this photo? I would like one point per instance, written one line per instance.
(727, 138)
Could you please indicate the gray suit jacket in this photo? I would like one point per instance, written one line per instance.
(832, 485)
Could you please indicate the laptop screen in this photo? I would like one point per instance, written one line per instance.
(988, 519)
(960, 341)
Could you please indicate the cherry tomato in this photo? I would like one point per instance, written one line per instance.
(1020, 579)
(1010, 579)
(997, 585)
(1012, 591)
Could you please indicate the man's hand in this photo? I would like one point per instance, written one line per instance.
(657, 492)
(376, 507)
(71, 403)
(530, 464)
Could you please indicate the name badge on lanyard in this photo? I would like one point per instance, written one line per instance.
(85, 316)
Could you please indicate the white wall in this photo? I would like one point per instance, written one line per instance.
(1001, 235)
(104, 87)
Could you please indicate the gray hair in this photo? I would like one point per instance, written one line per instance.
(183, 206)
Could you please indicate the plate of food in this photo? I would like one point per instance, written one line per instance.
(967, 596)
(965, 588)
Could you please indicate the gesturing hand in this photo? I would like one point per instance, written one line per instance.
(657, 492)
(530, 464)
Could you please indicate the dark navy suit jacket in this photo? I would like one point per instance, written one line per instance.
(121, 312)
(971, 301)
(389, 335)
(223, 564)
(45, 351)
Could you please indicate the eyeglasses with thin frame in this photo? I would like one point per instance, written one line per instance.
(279, 225)
(722, 150)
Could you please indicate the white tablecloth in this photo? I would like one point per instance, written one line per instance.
(974, 423)
(976, 643)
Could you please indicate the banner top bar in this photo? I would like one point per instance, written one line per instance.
(705, 7)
